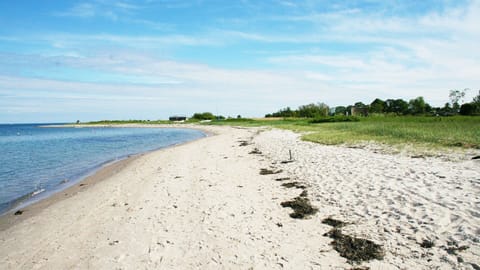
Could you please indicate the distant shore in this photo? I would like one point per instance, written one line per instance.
(217, 203)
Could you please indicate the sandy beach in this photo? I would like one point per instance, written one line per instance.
(216, 203)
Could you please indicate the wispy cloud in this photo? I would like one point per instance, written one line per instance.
(107, 9)
(83, 10)
(336, 52)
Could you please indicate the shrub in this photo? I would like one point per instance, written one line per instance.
(339, 118)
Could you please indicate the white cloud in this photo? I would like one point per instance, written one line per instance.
(82, 10)
(386, 57)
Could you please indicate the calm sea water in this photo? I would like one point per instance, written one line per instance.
(35, 161)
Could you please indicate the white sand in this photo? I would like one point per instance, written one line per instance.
(398, 201)
(203, 205)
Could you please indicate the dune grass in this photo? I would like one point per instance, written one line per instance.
(456, 131)
(429, 131)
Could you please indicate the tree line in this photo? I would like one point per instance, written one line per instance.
(416, 106)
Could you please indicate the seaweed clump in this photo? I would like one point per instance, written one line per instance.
(453, 250)
(304, 193)
(334, 222)
(267, 171)
(355, 249)
(301, 207)
(294, 184)
(244, 143)
(255, 152)
(427, 244)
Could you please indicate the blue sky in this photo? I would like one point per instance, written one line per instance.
(148, 59)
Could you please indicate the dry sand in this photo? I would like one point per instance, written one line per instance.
(204, 205)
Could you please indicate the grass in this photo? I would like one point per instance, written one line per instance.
(431, 132)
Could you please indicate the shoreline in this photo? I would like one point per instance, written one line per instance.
(33, 206)
(9, 219)
(219, 202)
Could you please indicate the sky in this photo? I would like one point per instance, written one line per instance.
(62, 61)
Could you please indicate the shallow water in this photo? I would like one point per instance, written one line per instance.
(35, 161)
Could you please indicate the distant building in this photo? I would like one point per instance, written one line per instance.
(177, 118)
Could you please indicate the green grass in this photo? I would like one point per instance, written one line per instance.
(428, 131)
(457, 131)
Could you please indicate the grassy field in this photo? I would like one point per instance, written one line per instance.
(457, 131)
(425, 131)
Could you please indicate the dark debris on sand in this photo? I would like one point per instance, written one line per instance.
(244, 143)
(334, 222)
(255, 152)
(301, 207)
(294, 185)
(452, 250)
(287, 161)
(352, 248)
(267, 171)
(355, 249)
(427, 244)
(304, 193)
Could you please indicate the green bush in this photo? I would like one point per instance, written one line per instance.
(203, 116)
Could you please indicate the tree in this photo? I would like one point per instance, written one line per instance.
(468, 109)
(340, 110)
(397, 106)
(286, 112)
(455, 97)
(203, 116)
(417, 106)
(377, 106)
(359, 105)
(472, 108)
(313, 110)
(476, 99)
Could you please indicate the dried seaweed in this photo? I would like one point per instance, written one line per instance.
(255, 152)
(294, 185)
(334, 222)
(244, 143)
(427, 244)
(355, 249)
(301, 207)
(268, 171)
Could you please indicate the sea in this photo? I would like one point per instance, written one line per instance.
(37, 161)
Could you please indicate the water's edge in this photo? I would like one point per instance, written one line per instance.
(39, 196)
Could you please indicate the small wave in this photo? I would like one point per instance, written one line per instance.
(36, 192)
